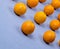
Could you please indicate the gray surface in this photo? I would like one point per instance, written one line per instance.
(11, 36)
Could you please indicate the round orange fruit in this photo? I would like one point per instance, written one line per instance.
(28, 27)
(59, 43)
(42, 1)
(59, 17)
(40, 17)
(32, 3)
(54, 24)
(48, 9)
(55, 4)
(20, 8)
(49, 36)
(59, 25)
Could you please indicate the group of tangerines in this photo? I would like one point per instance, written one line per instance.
(40, 17)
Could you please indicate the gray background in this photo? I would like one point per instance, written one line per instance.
(11, 36)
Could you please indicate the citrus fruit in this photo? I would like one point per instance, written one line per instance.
(48, 9)
(59, 42)
(59, 25)
(28, 27)
(49, 36)
(42, 1)
(54, 24)
(55, 4)
(40, 17)
(20, 8)
(59, 17)
(32, 3)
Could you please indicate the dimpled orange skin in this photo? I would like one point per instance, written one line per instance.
(59, 24)
(49, 36)
(59, 42)
(55, 4)
(42, 1)
(32, 3)
(59, 17)
(54, 24)
(40, 17)
(28, 27)
(48, 9)
(20, 8)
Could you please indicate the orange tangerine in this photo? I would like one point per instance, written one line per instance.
(59, 25)
(28, 27)
(54, 24)
(42, 1)
(32, 3)
(20, 8)
(48, 9)
(40, 17)
(59, 17)
(55, 4)
(49, 36)
(59, 42)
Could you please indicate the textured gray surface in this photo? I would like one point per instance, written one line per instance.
(11, 36)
